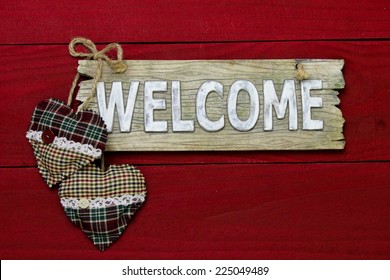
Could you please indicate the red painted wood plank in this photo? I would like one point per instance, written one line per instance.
(32, 73)
(39, 22)
(256, 211)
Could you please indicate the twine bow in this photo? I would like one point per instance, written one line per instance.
(116, 65)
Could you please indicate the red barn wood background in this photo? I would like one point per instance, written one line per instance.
(207, 205)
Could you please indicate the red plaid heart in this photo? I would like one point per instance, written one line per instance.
(65, 144)
(63, 140)
(102, 203)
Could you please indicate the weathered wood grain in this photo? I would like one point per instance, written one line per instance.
(191, 74)
(42, 22)
(49, 71)
(227, 211)
(207, 205)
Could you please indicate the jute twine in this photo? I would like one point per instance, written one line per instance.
(301, 73)
(117, 66)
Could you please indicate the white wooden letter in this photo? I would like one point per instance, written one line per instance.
(254, 107)
(151, 104)
(271, 100)
(116, 98)
(309, 102)
(205, 89)
(177, 123)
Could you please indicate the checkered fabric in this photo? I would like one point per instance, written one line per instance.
(55, 164)
(85, 127)
(91, 182)
(103, 225)
(100, 202)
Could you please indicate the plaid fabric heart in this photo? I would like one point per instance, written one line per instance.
(63, 140)
(102, 203)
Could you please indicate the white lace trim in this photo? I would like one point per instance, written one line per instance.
(100, 202)
(64, 143)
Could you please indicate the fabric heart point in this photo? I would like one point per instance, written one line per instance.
(103, 225)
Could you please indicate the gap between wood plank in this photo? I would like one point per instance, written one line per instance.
(210, 42)
(230, 163)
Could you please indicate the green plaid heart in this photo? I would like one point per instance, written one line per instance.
(63, 140)
(65, 144)
(102, 203)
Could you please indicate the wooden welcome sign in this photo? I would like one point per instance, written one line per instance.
(218, 104)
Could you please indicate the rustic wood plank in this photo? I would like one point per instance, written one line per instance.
(209, 211)
(192, 74)
(256, 211)
(49, 71)
(40, 22)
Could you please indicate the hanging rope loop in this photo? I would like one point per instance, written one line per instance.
(92, 53)
(116, 65)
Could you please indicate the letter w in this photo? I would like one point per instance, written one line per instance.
(116, 98)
